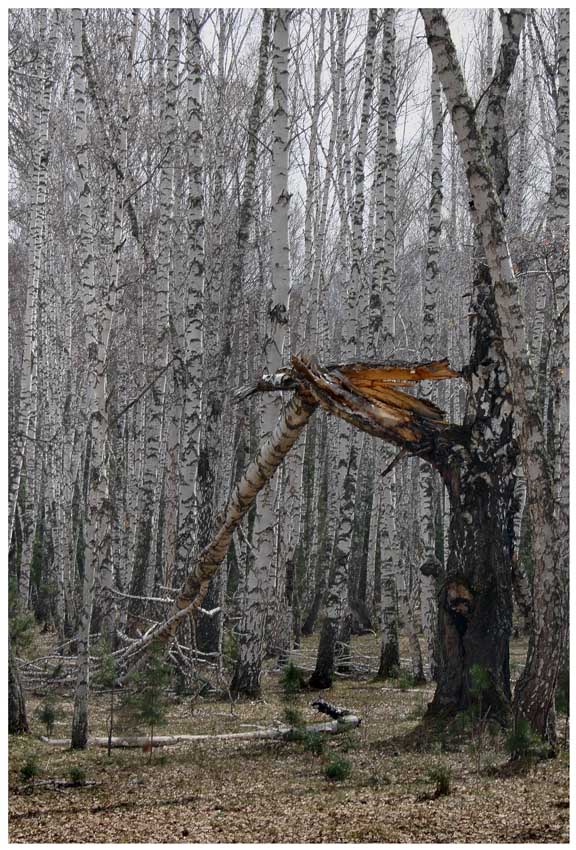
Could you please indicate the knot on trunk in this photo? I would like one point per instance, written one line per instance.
(458, 600)
(431, 567)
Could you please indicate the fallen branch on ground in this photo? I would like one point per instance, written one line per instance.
(350, 721)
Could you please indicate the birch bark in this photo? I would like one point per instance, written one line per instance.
(246, 678)
(23, 451)
(193, 333)
(534, 695)
(428, 600)
(96, 532)
(337, 594)
(155, 401)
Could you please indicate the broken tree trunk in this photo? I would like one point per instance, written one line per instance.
(534, 696)
(270, 455)
(364, 394)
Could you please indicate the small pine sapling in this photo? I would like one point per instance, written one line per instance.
(442, 776)
(29, 770)
(47, 715)
(146, 703)
(292, 680)
(522, 743)
(106, 677)
(294, 719)
(337, 769)
(314, 743)
(77, 775)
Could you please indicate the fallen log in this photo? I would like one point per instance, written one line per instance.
(334, 727)
(63, 783)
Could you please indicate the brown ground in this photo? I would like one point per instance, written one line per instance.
(269, 792)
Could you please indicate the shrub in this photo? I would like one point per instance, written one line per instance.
(293, 717)
(522, 742)
(146, 704)
(47, 715)
(30, 769)
(337, 769)
(314, 743)
(292, 680)
(77, 775)
(442, 776)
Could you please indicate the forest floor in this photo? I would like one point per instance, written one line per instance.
(276, 791)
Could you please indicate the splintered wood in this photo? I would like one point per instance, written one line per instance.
(366, 395)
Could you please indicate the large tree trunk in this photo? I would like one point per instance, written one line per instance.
(193, 335)
(246, 678)
(97, 523)
(337, 596)
(535, 693)
(17, 720)
(427, 479)
(475, 599)
(270, 455)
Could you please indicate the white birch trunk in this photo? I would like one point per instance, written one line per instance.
(337, 595)
(96, 531)
(23, 450)
(388, 612)
(193, 339)
(428, 601)
(155, 401)
(258, 583)
(535, 691)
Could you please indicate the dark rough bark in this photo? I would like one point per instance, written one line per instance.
(481, 484)
(475, 611)
(322, 676)
(314, 610)
(475, 600)
(17, 719)
(389, 660)
(208, 628)
(246, 681)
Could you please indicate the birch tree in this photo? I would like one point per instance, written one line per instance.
(535, 691)
(145, 549)
(337, 592)
(96, 532)
(430, 297)
(247, 672)
(193, 334)
(23, 454)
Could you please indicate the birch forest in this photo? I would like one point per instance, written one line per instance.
(288, 424)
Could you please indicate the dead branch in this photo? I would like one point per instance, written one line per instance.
(334, 727)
